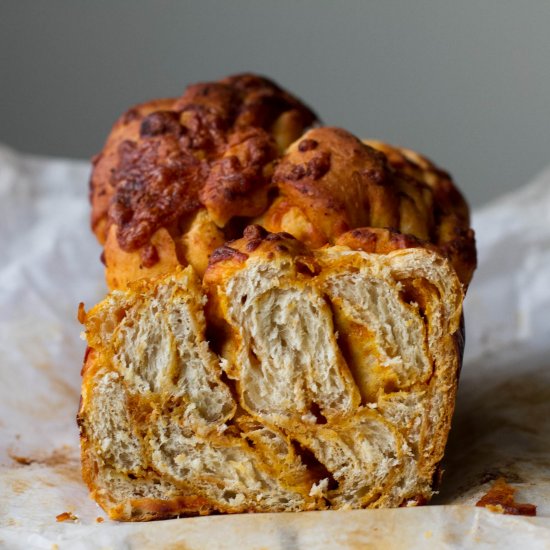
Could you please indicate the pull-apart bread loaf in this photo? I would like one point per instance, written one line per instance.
(284, 331)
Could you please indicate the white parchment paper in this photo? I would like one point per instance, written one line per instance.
(49, 261)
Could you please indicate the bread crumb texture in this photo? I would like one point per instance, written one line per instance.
(285, 380)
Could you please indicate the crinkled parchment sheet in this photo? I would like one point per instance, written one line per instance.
(50, 262)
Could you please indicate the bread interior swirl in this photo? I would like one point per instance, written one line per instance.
(330, 384)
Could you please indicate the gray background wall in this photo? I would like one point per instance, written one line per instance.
(465, 82)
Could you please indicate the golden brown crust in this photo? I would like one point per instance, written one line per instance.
(127, 266)
(329, 183)
(450, 214)
(380, 241)
(259, 242)
(234, 152)
(126, 128)
(211, 150)
(337, 183)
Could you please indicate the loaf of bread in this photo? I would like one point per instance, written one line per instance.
(284, 330)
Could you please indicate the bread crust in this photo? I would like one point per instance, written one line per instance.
(239, 151)
(210, 151)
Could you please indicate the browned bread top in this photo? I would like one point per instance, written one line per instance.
(211, 147)
(178, 178)
(330, 182)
